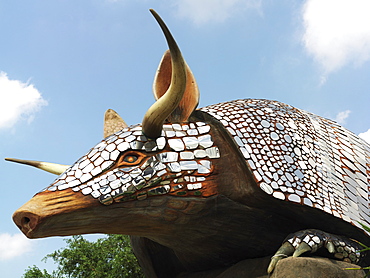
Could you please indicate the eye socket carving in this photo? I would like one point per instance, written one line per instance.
(130, 159)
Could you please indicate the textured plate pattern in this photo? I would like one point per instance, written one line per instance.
(300, 157)
(177, 163)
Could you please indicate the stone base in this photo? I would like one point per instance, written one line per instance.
(301, 267)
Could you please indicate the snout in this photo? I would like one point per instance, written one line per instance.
(65, 213)
(51, 213)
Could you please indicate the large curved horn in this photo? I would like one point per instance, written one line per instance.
(162, 81)
(159, 111)
(53, 168)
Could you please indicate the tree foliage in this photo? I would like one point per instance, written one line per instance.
(109, 257)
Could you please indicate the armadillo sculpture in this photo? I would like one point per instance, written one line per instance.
(204, 189)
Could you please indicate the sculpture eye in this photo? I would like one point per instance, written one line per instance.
(130, 158)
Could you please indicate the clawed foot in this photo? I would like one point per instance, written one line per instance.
(310, 241)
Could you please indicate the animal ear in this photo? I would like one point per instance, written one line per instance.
(162, 81)
(112, 123)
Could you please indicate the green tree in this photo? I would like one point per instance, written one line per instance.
(109, 257)
(35, 272)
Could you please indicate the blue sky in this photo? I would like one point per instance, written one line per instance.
(63, 63)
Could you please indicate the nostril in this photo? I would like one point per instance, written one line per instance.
(25, 220)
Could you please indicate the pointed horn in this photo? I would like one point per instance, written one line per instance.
(112, 123)
(159, 111)
(53, 168)
(162, 81)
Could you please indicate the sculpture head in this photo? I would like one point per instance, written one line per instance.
(171, 154)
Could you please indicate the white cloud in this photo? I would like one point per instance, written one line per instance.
(17, 100)
(210, 11)
(365, 135)
(342, 116)
(13, 246)
(337, 32)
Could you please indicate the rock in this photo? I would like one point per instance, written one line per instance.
(306, 267)
(301, 267)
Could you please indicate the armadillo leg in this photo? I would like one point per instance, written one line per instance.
(311, 240)
(284, 251)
